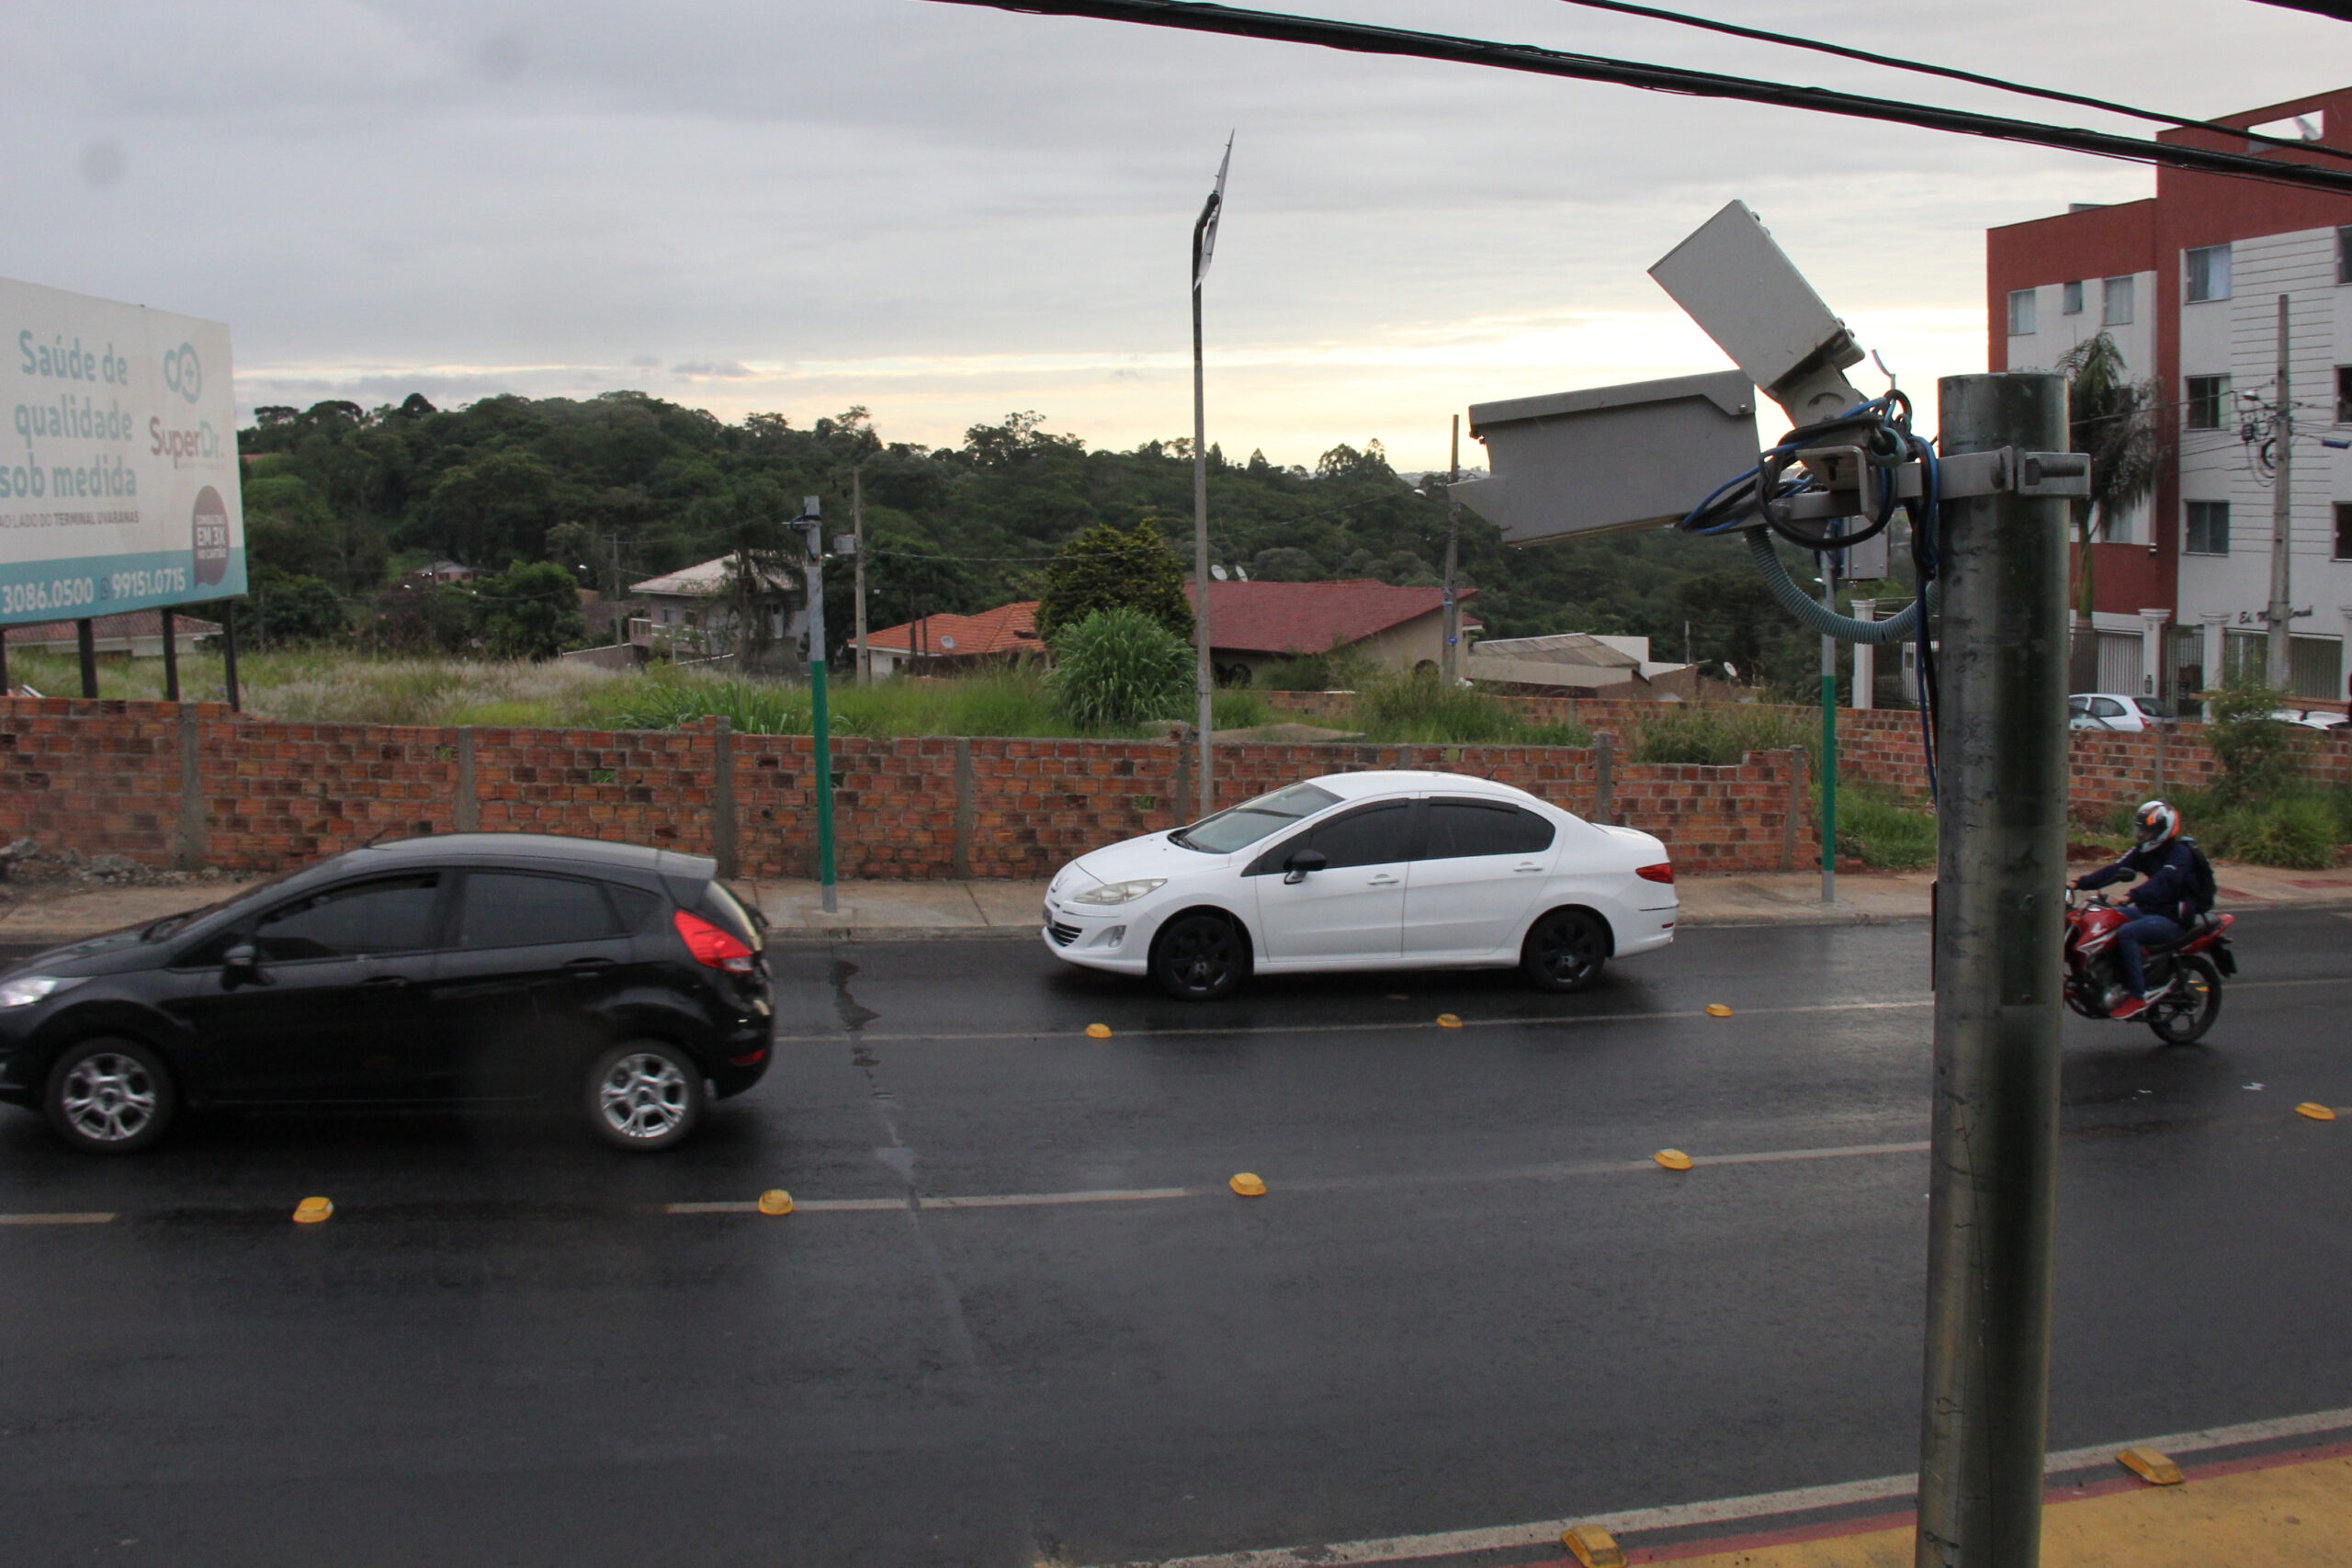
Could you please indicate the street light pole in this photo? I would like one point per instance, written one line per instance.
(857, 532)
(1204, 671)
(812, 529)
(2001, 864)
(1452, 660)
(2279, 650)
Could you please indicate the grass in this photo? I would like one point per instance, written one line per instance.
(1885, 828)
(2299, 830)
(1719, 734)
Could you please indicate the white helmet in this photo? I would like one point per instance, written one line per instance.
(2155, 822)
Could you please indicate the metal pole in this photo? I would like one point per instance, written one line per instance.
(1829, 738)
(1203, 675)
(1865, 659)
(171, 654)
(821, 718)
(6, 684)
(86, 635)
(857, 533)
(2001, 864)
(228, 657)
(2279, 653)
(1452, 660)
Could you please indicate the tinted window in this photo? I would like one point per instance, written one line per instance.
(2105, 707)
(1461, 828)
(1238, 827)
(394, 915)
(637, 906)
(510, 910)
(1375, 836)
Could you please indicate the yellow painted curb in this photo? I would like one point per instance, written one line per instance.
(1673, 1159)
(1248, 1186)
(1594, 1547)
(1448, 1020)
(2150, 1466)
(1098, 1031)
(2315, 1110)
(310, 1211)
(1718, 1010)
(776, 1201)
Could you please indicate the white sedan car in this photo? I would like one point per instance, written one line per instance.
(1366, 871)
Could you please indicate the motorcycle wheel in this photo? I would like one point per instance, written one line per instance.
(2184, 1014)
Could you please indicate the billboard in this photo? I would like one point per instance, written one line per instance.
(118, 473)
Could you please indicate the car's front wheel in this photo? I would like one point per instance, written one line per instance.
(1565, 950)
(109, 1097)
(1199, 958)
(644, 1095)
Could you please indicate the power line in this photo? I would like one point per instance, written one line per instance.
(1953, 74)
(1354, 38)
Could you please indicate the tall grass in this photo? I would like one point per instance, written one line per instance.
(1719, 734)
(1419, 710)
(1885, 828)
(2300, 829)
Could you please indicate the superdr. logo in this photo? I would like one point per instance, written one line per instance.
(183, 373)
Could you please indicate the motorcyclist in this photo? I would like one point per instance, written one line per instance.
(2163, 901)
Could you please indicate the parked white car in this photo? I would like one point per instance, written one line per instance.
(2311, 718)
(1367, 870)
(2115, 710)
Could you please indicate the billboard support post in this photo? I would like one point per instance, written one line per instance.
(171, 655)
(85, 637)
(228, 659)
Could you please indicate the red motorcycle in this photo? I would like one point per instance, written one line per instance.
(2183, 977)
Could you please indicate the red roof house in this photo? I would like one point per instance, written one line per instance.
(935, 644)
(1254, 624)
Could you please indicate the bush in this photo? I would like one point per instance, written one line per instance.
(2298, 832)
(1418, 709)
(1718, 735)
(1341, 669)
(1119, 668)
(1106, 570)
(2260, 756)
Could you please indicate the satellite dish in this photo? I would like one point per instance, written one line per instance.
(1241, 574)
(1217, 572)
(948, 643)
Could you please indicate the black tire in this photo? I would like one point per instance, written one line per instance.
(1565, 950)
(109, 1097)
(2186, 1013)
(1199, 958)
(644, 1096)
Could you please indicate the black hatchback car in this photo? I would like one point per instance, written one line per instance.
(472, 967)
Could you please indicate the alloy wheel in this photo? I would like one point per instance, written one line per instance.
(644, 1096)
(109, 1098)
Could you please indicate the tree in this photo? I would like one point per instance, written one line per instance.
(531, 611)
(281, 608)
(1106, 570)
(500, 505)
(2115, 419)
(761, 560)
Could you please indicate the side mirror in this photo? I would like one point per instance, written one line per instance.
(1301, 862)
(241, 963)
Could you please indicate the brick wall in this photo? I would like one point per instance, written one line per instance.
(192, 784)
(1881, 745)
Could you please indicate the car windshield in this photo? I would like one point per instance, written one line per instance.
(1238, 827)
(172, 925)
(2154, 707)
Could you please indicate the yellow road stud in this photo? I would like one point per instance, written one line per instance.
(1098, 1031)
(776, 1201)
(1673, 1159)
(2150, 1466)
(1718, 1010)
(310, 1211)
(1448, 1020)
(1594, 1547)
(1248, 1185)
(2315, 1110)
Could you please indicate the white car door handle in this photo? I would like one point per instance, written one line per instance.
(1524, 870)
(1385, 881)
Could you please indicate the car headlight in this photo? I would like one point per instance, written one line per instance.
(1119, 891)
(25, 992)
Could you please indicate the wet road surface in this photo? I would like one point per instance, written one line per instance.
(1467, 1300)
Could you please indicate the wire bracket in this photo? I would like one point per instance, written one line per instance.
(1845, 490)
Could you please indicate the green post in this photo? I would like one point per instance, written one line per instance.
(1829, 738)
(821, 718)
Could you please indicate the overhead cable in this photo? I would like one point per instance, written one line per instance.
(1898, 63)
(1355, 38)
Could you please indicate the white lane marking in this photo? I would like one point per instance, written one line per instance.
(1029, 1199)
(59, 1219)
(1359, 1028)
(1887, 1488)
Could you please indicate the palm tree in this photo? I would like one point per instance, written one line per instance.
(2118, 421)
(764, 558)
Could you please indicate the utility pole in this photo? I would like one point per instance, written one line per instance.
(2001, 864)
(1829, 734)
(2279, 653)
(857, 533)
(820, 726)
(1203, 672)
(1452, 662)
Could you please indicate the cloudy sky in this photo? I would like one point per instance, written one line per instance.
(947, 213)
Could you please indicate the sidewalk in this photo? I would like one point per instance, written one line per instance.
(875, 912)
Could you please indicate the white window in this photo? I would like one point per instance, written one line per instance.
(2114, 302)
(2021, 313)
(2209, 273)
(2070, 300)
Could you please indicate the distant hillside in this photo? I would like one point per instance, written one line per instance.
(624, 485)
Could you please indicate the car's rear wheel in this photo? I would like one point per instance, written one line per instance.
(1199, 958)
(1565, 950)
(644, 1095)
(109, 1097)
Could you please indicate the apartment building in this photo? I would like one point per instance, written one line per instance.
(2187, 285)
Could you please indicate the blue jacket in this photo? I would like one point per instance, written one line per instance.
(2167, 867)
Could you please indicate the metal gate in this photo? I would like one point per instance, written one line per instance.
(2122, 667)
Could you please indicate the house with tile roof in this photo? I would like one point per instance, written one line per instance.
(939, 645)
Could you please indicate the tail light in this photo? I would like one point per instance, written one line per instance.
(712, 945)
(1662, 871)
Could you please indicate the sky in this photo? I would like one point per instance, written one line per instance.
(947, 214)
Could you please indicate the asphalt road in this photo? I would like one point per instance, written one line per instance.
(1468, 1299)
